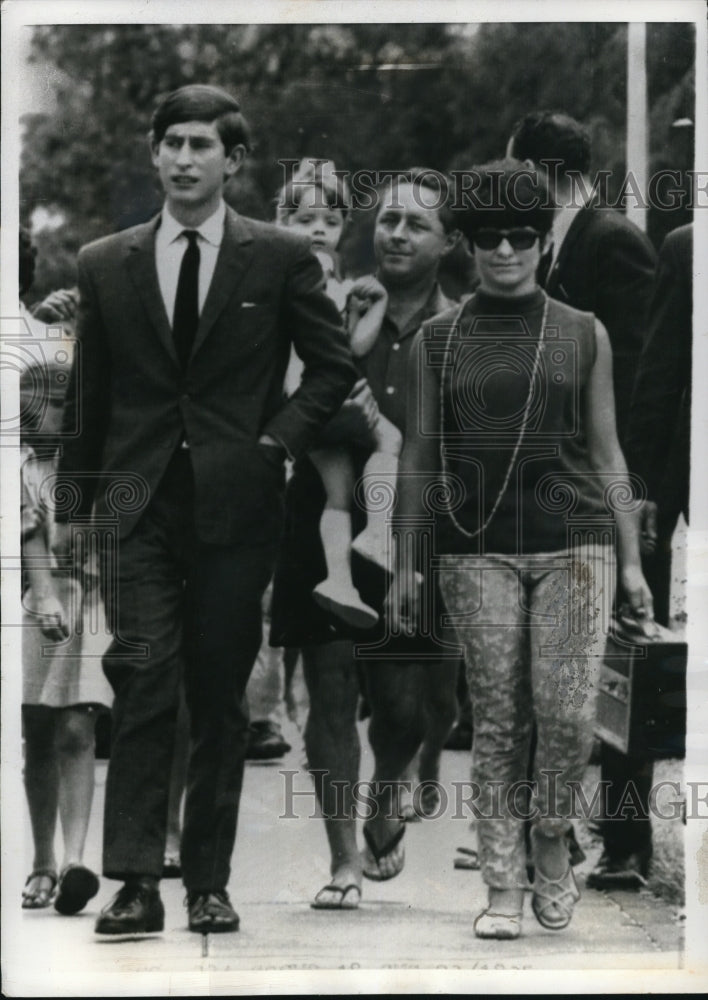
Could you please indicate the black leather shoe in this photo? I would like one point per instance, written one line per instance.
(211, 912)
(135, 909)
(629, 872)
(266, 741)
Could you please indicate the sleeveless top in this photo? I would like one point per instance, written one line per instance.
(553, 499)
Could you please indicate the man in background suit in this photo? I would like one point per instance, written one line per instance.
(658, 452)
(659, 430)
(185, 326)
(602, 263)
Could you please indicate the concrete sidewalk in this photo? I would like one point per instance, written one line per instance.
(420, 920)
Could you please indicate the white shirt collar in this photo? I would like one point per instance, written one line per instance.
(211, 230)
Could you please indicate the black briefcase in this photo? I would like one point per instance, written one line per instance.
(641, 704)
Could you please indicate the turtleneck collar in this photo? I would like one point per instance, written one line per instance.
(487, 302)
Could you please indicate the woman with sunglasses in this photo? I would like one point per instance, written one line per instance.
(516, 477)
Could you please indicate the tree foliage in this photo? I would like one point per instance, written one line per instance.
(369, 96)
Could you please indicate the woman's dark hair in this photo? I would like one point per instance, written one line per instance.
(203, 103)
(317, 173)
(27, 255)
(438, 185)
(552, 135)
(505, 194)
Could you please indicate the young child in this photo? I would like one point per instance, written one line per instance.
(315, 203)
(63, 683)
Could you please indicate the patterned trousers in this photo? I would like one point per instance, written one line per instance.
(533, 630)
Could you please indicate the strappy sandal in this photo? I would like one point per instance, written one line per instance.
(501, 926)
(551, 894)
(373, 855)
(39, 898)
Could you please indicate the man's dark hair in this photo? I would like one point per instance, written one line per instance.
(202, 103)
(508, 195)
(438, 184)
(552, 135)
(27, 255)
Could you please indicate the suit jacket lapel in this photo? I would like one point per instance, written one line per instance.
(577, 226)
(141, 265)
(232, 262)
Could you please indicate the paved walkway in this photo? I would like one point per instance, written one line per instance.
(420, 920)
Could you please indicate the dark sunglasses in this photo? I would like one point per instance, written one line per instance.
(519, 239)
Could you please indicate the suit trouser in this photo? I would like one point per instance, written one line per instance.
(196, 608)
(631, 833)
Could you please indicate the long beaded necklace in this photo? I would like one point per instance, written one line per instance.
(522, 431)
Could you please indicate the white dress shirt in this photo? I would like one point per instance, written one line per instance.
(170, 245)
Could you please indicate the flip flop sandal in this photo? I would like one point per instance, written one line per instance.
(501, 926)
(554, 893)
(38, 898)
(469, 860)
(377, 854)
(408, 814)
(77, 885)
(429, 800)
(339, 904)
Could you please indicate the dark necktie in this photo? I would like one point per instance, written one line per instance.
(186, 319)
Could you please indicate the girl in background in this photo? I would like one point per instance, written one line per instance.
(63, 683)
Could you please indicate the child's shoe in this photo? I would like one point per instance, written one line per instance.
(343, 600)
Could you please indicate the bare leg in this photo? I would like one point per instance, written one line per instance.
(337, 593)
(439, 681)
(379, 485)
(396, 731)
(75, 754)
(332, 745)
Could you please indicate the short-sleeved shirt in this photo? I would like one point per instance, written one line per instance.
(296, 618)
(386, 364)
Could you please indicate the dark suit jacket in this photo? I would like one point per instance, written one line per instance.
(606, 266)
(658, 436)
(136, 404)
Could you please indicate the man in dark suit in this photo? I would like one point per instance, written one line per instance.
(658, 452)
(600, 261)
(658, 434)
(185, 326)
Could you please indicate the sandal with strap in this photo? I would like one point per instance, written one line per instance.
(549, 894)
(373, 855)
(38, 898)
(501, 926)
(348, 897)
